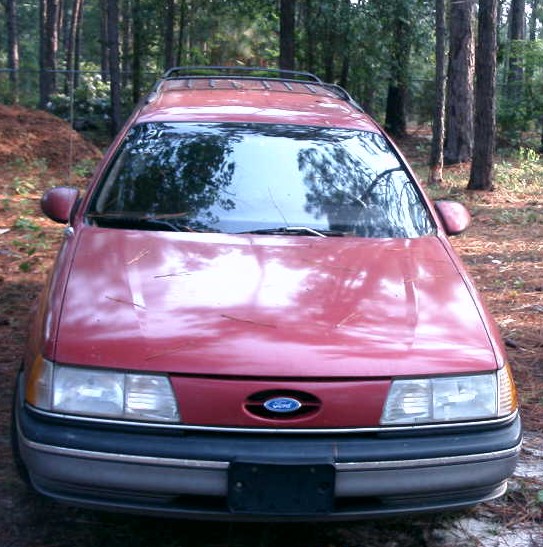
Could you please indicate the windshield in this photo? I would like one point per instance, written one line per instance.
(261, 178)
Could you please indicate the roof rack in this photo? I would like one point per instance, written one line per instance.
(263, 75)
(239, 72)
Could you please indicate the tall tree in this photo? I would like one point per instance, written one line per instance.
(534, 17)
(400, 49)
(286, 34)
(534, 12)
(137, 45)
(49, 20)
(481, 175)
(126, 40)
(169, 31)
(114, 64)
(72, 57)
(517, 32)
(311, 35)
(435, 175)
(459, 114)
(181, 35)
(12, 32)
(346, 31)
(104, 40)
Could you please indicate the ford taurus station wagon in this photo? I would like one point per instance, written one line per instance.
(256, 314)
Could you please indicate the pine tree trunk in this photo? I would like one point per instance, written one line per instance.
(73, 32)
(310, 36)
(181, 37)
(396, 121)
(126, 40)
(114, 64)
(169, 24)
(481, 176)
(104, 41)
(459, 113)
(286, 35)
(13, 48)
(517, 31)
(435, 175)
(48, 49)
(136, 53)
(77, 46)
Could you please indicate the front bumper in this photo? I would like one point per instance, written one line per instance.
(212, 475)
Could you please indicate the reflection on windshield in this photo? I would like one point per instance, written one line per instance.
(255, 177)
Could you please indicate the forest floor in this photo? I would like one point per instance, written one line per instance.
(503, 251)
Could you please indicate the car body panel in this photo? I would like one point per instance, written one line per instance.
(256, 105)
(393, 307)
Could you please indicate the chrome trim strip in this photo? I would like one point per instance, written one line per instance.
(223, 466)
(124, 458)
(276, 431)
(429, 462)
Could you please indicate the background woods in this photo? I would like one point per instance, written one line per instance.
(91, 60)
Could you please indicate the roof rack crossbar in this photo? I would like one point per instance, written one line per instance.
(240, 71)
(189, 74)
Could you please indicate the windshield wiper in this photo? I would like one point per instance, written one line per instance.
(145, 221)
(294, 230)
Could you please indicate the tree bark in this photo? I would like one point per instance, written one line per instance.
(13, 48)
(395, 121)
(181, 36)
(310, 36)
(169, 25)
(48, 49)
(481, 176)
(435, 175)
(71, 45)
(126, 41)
(137, 48)
(77, 46)
(459, 113)
(104, 41)
(533, 20)
(114, 64)
(517, 31)
(346, 38)
(286, 35)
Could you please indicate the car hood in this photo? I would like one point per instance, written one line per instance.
(269, 306)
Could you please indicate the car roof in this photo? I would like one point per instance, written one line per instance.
(262, 98)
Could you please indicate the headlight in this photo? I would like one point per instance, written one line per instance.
(450, 399)
(101, 393)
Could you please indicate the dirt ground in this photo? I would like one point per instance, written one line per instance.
(503, 250)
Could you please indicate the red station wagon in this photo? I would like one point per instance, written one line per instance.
(256, 314)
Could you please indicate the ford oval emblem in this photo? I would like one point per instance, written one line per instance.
(282, 405)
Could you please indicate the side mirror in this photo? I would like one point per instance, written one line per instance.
(454, 216)
(59, 202)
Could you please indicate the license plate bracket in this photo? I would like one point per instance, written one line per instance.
(281, 489)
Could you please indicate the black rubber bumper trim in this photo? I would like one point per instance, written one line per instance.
(264, 448)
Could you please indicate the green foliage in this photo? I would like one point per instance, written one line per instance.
(90, 100)
(355, 44)
(520, 103)
(24, 187)
(522, 173)
(84, 168)
(26, 224)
